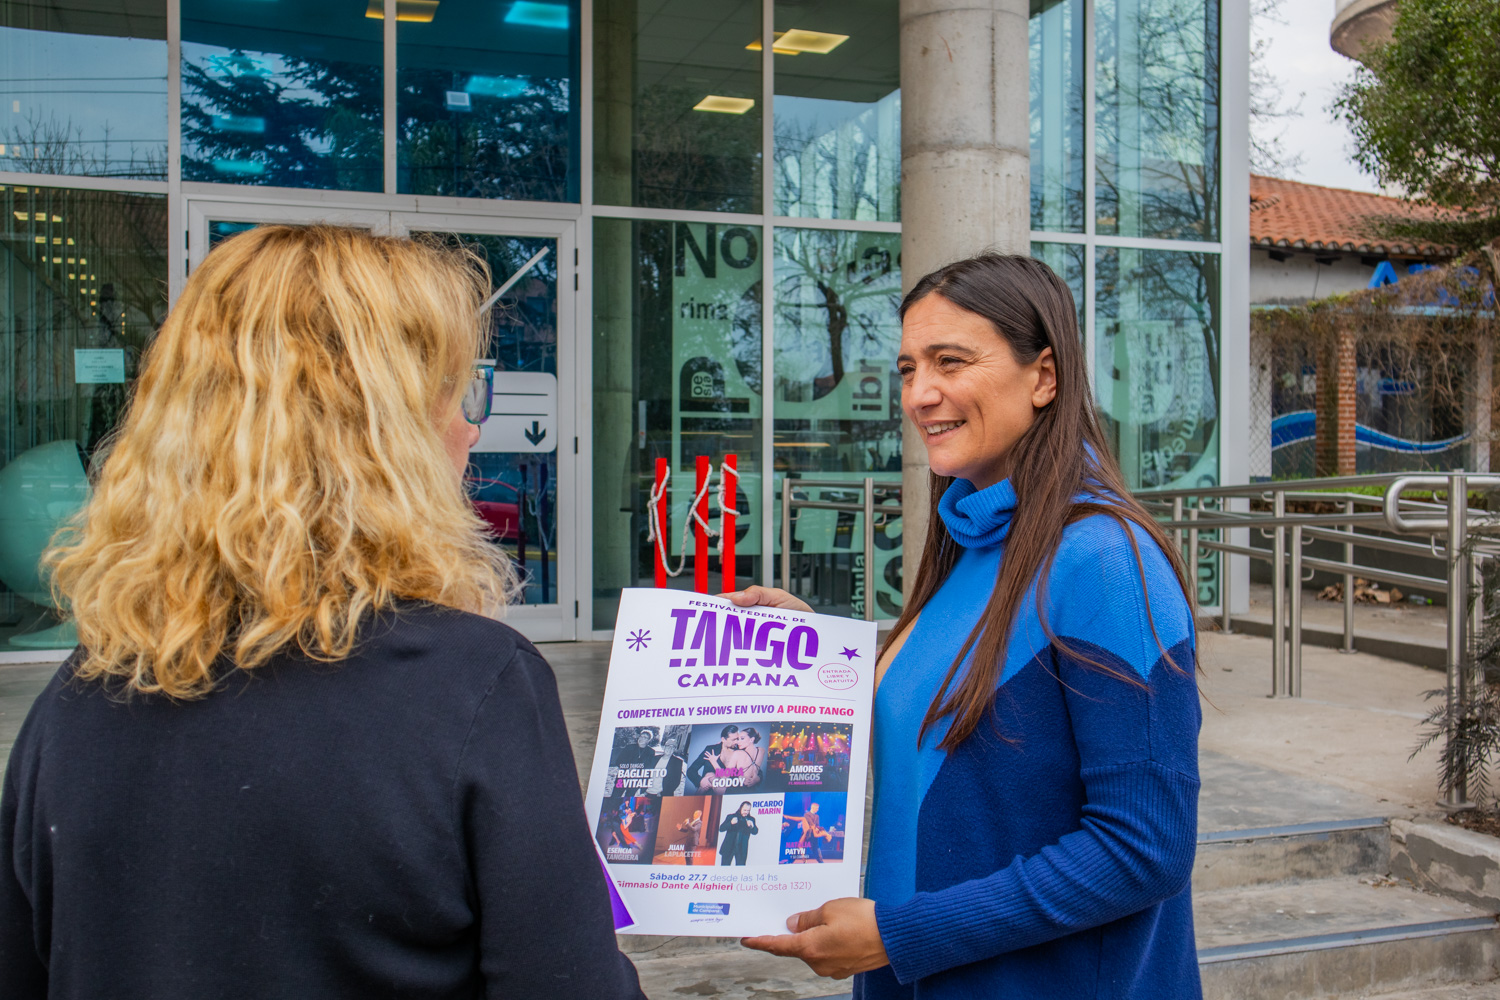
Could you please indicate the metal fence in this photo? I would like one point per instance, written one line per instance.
(1361, 523)
(796, 496)
(1206, 520)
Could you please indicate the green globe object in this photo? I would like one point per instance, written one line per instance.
(39, 490)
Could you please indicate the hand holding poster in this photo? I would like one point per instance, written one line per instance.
(727, 790)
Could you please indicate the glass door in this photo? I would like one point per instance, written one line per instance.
(522, 473)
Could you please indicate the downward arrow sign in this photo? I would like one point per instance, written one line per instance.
(536, 433)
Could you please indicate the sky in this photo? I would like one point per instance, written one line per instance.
(1305, 64)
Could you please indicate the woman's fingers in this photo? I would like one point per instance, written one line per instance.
(771, 597)
(836, 940)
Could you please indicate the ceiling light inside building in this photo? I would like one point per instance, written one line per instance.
(755, 46)
(726, 105)
(538, 15)
(795, 40)
(420, 11)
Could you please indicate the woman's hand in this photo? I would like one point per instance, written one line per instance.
(836, 940)
(771, 597)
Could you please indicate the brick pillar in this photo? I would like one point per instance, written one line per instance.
(1333, 447)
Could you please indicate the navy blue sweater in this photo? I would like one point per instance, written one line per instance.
(1055, 862)
(406, 823)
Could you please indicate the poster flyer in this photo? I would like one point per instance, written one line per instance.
(728, 784)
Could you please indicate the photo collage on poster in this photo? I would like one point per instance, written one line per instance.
(753, 794)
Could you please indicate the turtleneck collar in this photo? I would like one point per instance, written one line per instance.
(978, 518)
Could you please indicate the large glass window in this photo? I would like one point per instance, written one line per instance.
(1057, 65)
(677, 374)
(677, 104)
(1066, 260)
(286, 94)
(838, 109)
(487, 100)
(1156, 364)
(83, 278)
(1157, 118)
(838, 405)
(83, 88)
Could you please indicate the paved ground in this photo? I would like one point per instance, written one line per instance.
(1339, 752)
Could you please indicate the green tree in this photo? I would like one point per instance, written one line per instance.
(1425, 112)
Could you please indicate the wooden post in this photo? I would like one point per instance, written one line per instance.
(731, 480)
(700, 536)
(660, 548)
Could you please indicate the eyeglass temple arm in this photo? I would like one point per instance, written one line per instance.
(495, 297)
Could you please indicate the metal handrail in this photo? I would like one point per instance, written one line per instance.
(867, 488)
(1445, 519)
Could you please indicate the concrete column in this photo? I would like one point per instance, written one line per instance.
(965, 167)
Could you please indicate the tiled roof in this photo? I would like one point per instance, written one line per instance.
(1291, 215)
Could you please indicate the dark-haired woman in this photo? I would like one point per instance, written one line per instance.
(1036, 718)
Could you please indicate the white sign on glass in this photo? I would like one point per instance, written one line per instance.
(523, 414)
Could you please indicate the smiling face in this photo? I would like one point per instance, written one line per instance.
(963, 387)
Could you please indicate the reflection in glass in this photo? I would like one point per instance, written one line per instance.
(677, 374)
(655, 65)
(1157, 364)
(1066, 260)
(838, 110)
(1057, 65)
(83, 91)
(1157, 118)
(289, 95)
(838, 405)
(83, 278)
(487, 101)
(516, 492)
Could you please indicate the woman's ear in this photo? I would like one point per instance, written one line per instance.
(1045, 389)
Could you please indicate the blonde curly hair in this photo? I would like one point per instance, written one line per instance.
(280, 473)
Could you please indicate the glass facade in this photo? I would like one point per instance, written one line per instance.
(837, 114)
(1056, 35)
(82, 289)
(718, 310)
(83, 89)
(677, 104)
(677, 375)
(1135, 233)
(1157, 364)
(288, 95)
(487, 101)
(1157, 118)
(837, 403)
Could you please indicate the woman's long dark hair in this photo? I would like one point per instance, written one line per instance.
(1061, 468)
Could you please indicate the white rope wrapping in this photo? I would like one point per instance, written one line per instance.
(726, 502)
(656, 531)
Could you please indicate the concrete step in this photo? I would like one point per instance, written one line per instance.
(1338, 937)
(1453, 991)
(1421, 652)
(1267, 855)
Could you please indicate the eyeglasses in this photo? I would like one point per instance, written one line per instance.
(480, 394)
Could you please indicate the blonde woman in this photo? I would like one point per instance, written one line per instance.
(294, 755)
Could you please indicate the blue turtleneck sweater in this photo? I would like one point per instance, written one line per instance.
(1053, 859)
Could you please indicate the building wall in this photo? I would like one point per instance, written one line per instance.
(1302, 277)
(734, 208)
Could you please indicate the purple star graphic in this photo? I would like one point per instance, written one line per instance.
(849, 654)
(639, 639)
